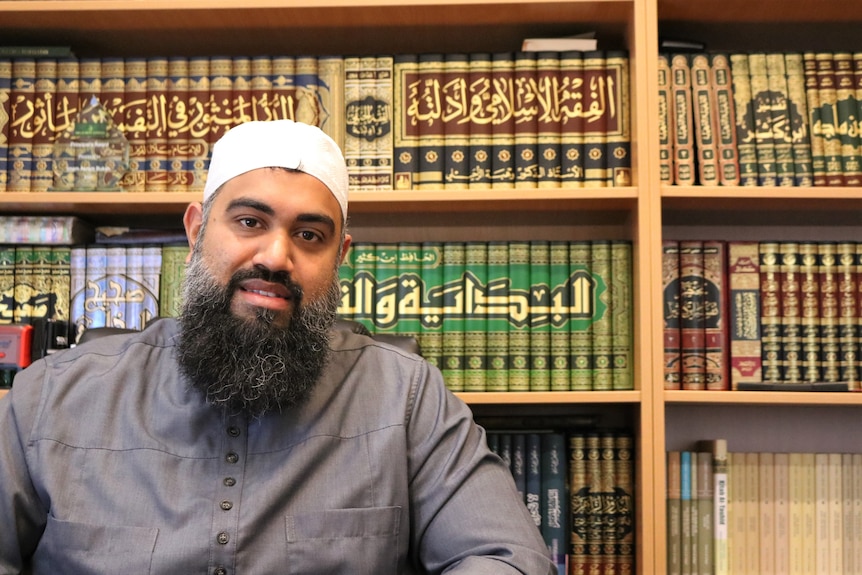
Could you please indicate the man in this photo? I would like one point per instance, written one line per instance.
(248, 437)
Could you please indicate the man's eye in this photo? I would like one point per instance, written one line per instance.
(249, 222)
(309, 236)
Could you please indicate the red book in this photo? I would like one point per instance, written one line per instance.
(671, 311)
(692, 315)
(715, 294)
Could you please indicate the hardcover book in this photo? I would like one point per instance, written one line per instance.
(705, 120)
(812, 96)
(782, 130)
(797, 117)
(716, 317)
(746, 142)
(666, 120)
(744, 312)
(540, 319)
(692, 315)
(725, 135)
(683, 135)
(770, 311)
(763, 133)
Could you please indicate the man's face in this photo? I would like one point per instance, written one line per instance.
(266, 224)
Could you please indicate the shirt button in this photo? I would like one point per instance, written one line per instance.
(233, 431)
(220, 571)
(229, 481)
(231, 457)
(223, 538)
(227, 505)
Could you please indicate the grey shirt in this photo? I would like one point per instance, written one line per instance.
(110, 463)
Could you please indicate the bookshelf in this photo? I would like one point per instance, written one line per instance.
(750, 421)
(644, 213)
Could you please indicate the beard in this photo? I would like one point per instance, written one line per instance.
(252, 365)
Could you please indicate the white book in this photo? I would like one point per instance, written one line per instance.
(563, 44)
(781, 465)
(836, 515)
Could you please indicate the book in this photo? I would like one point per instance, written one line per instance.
(548, 123)
(790, 288)
(766, 510)
(828, 118)
(704, 496)
(622, 315)
(497, 286)
(818, 141)
(116, 291)
(717, 450)
(198, 151)
(797, 118)
(848, 314)
(519, 463)
(666, 120)
(618, 129)
(331, 102)
(782, 129)
(581, 316)
(172, 274)
(705, 120)
(45, 230)
(812, 363)
(5, 117)
(828, 311)
(408, 289)
(683, 111)
(597, 118)
(481, 129)
(602, 325)
(540, 318)
(674, 513)
(135, 122)
(687, 533)
(579, 503)
(763, 124)
(533, 480)
(525, 109)
(744, 312)
(60, 269)
(476, 316)
(746, 142)
(558, 315)
(560, 44)
(671, 314)
(725, 129)
(503, 126)
(716, 317)
(431, 335)
(554, 507)
(261, 89)
(156, 134)
(177, 126)
(519, 305)
(456, 124)
(38, 51)
(44, 133)
(353, 137)
(573, 128)
(20, 139)
(624, 490)
(770, 311)
(692, 331)
(781, 478)
(846, 118)
(452, 358)
(406, 125)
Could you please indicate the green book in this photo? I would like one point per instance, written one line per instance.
(558, 315)
(364, 284)
(345, 284)
(408, 289)
(386, 295)
(60, 282)
(797, 117)
(622, 315)
(540, 317)
(171, 284)
(846, 118)
(452, 296)
(475, 315)
(602, 353)
(519, 310)
(580, 300)
(497, 286)
(431, 335)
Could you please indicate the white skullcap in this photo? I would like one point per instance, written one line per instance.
(281, 144)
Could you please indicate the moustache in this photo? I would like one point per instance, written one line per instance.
(282, 278)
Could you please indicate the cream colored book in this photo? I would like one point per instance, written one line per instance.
(836, 514)
(781, 464)
(766, 498)
(718, 449)
(822, 542)
(737, 535)
(797, 499)
(857, 514)
(850, 535)
(752, 512)
(808, 515)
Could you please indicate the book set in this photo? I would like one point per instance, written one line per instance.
(765, 513)
(578, 486)
(761, 118)
(408, 121)
(762, 315)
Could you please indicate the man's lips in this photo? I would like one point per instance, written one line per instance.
(266, 289)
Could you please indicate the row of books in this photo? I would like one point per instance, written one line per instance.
(579, 488)
(747, 513)
(761, 119)
(408, 121)
(502, 315)
(762, 315)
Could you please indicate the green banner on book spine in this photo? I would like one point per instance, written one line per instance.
(579, 297)
(602, 357)
(519, 312)
(451, 295)
(497, 293)
(540, 307)
(386, 279)
(475, 315)
(559, 316)
(408, 289)
(622, 315)
(431, 336)
(361, 303)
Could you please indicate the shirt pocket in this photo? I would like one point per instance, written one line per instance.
(83, 548)
(350, 541)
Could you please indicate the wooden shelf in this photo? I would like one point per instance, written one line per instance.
(549, 397)
(764, 397)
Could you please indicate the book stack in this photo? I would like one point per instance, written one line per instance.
(760, 118)
(762, 315)
(767, 512)
(407, 121)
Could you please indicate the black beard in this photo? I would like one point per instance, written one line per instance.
(252, 366)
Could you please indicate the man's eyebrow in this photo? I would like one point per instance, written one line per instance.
(250, 203)
(317, 219)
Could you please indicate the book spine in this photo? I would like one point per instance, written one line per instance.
(580, 504)
(622, 318)
(555, 510)
(170, 286)
(559, 324)
(240, 93)
(770, 311)
(363, 127)
(595, 128)
(674, 513)
(134, 272)
(353, 130)
(481, 129)
(261, 89)
(744, 311)
(716, 317)
(752, 511)
(549, 121)
(519, 464)
(671, 314)
(534, 478)
(810, 315)
(197, 127)
(618, 130)
(818, 141)
(5, 117)
(456, 121)
(408, 289)
(22, 288)
(573, 128)
(828, 310)
(828, 95)
(476, 318)
(330, 97)
(848, 535)
(790, 286)
(519, 305)
(823, 541)
(306, 79)
(781, 463)
(580, 318)
(705, 120)
(683, 113)
(746, 142)
(431, 128)
(431, 336)
(540, 317)
(525, 110)
(797, 117)
(692, 334)
(705, 509)
(503, 126)
(848, 314)
(609, 549)
(95, 312)
(797, 501)
(809, 517)
(406, 126)
(135, 121)
(782, 136)
(60, 267)
(113, 80)
(725, 129)
(151, 283)
(497, 376)
(21, 128)
(77, 291)
(387, 315)
(765, 471)
(116, 287)
(665, 120)
(602, 328)
(283, 87)
(452, 360)
(44, 133)
(595, 517)
(156, 133)
(176, 124)
(846, 119)
(835, 497)
(761, 103)
(624, 487)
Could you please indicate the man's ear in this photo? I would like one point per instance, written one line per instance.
(345, 246)
(193, 220)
